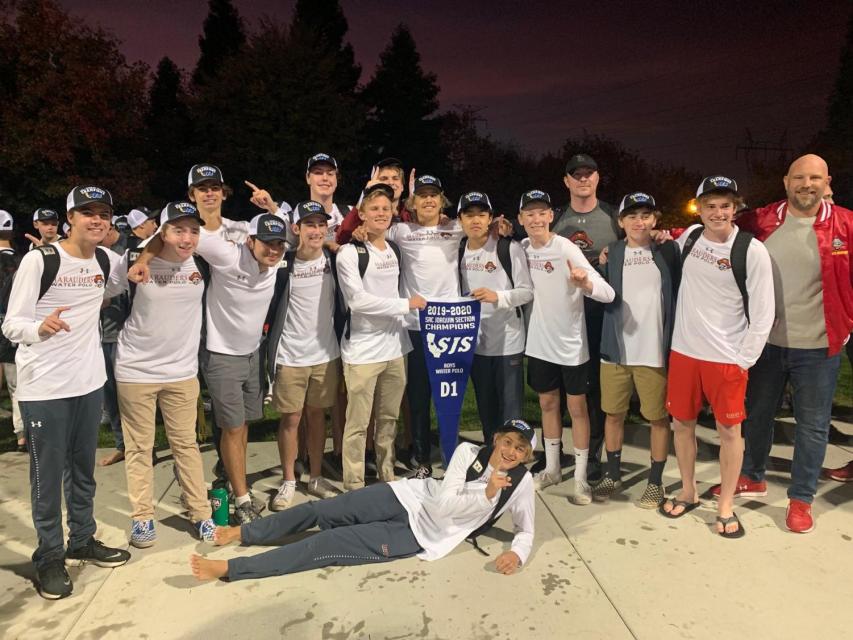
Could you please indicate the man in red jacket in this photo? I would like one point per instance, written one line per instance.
(809, 242)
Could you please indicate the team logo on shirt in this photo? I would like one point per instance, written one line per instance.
(839, 248)
(98, 280)
(582, 241)
(724, 264)
(445, 236)
(195, 277)
(548, 267)
(490, 266)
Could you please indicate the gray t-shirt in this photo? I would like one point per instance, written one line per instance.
(590, 232)
(798, 286)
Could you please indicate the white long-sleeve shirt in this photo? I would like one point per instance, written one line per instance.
(501, 328)
(710, 323)
(443, 513)
(238, 297)
(376, 326)
(557, 329)
(68, 363)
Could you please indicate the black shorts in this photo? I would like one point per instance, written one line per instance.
(544, 376)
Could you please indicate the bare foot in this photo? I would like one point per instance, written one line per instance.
(115, 456)
(226, 535)
(205, 569)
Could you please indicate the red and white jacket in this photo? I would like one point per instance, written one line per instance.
(834, 231)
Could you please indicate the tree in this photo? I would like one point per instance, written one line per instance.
(71, 113)
(401, 99)
(323, 23)
(224, 35)
(168, 132)
(270, 108)
(834, 142)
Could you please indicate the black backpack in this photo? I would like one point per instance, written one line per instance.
(51, 268)
(476, 469)
(738, 260)
(363, 260)
(503, 257)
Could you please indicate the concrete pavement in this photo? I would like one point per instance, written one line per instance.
(599, 571)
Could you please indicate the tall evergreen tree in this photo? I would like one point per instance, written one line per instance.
(223, 36)
(168, 131)
(324, 23)
(401, 99)
(834, 142)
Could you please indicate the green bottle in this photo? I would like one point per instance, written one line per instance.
(219, 504)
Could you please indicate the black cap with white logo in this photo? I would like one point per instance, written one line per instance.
(268, 227)
(321, 158)
(635, 200)
(204, 173)
(534, 195)
(386, 189)
(474, 198)
(308, 208)
(716, 184)
(179, 210)
(121, 224)
(81, 196)
(519, 426)
(580, 160)
(424, 181)
(389, 162)
(42, 213)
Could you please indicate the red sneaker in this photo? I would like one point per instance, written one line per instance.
(746, 488)
(842, 474)
(798, 518)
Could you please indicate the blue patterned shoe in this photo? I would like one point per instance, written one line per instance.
(142, 534)
(205, 529)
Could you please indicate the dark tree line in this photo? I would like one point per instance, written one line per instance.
(260, 102)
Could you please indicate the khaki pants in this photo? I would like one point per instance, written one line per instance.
(138, 406)
(387, 382)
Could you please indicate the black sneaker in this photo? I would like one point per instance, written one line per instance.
(53, 581)
(97, 553)
(370, 464)
(244, 513)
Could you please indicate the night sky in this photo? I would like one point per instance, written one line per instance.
(678, 82)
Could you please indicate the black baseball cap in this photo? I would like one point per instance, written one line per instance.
(426, 180)
(308, 208)
(177, 210)
(534, 195)
(473, 198)
(200, 173)
(636, 199)
(268, 226)
(42, 213)
(716, 184)
(580, 160)
(387, 189)
(519, 426)
(81, 196)
(121, 224)
(389, 162)
(321, 158)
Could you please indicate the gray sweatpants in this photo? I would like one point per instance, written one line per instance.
(360, 527)
(62, 436)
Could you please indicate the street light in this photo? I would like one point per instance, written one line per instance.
(692, 207)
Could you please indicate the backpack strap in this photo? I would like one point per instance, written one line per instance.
(688, 244)
(463, 243)
(103, 261)
(51, 267)
(504, 258)
(738, 258)
(363, 257)
(132, 257)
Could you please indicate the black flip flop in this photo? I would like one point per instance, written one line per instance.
(740, 533)
(688, 507)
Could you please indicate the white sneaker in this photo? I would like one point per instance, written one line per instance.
(321, 488)
(284, 497)
(543, 479)
(583, 493)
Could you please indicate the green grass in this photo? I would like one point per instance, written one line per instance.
(265, 430)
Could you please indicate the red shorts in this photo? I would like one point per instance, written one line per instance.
(724, 385)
